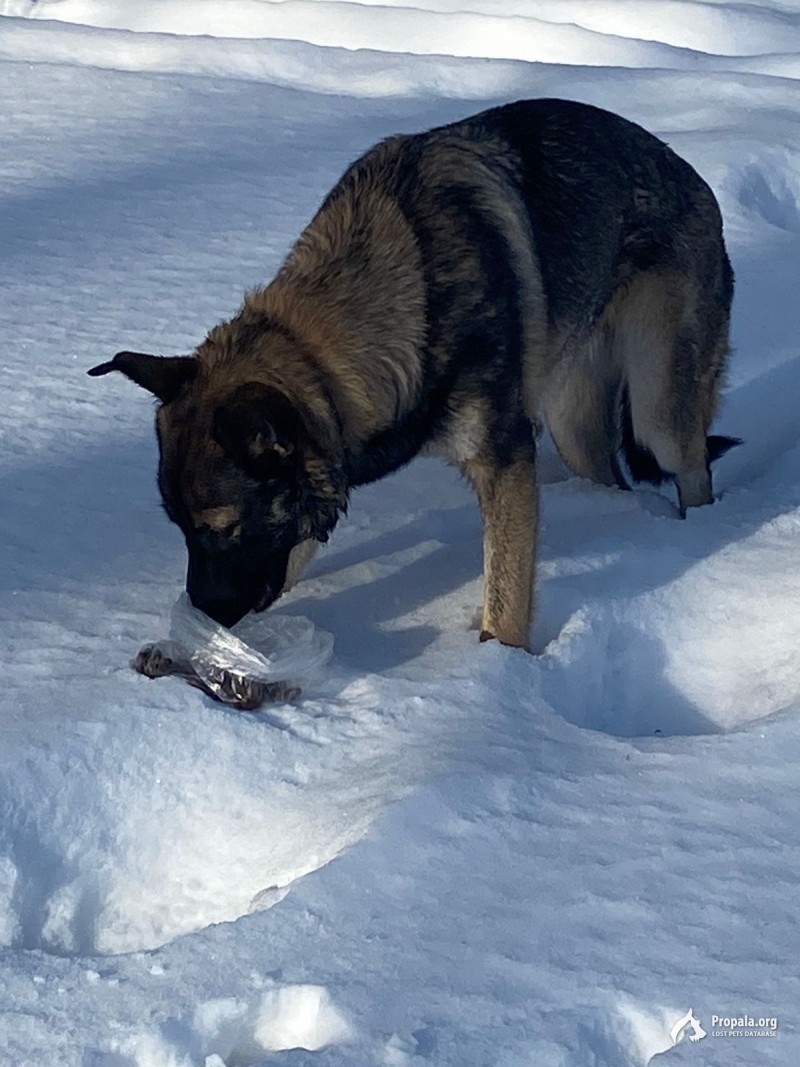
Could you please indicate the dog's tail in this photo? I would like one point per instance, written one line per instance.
(643, 465)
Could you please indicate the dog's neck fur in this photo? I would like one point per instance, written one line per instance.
(351, 292)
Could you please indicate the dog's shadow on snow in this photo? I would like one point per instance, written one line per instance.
(88, 523)
(90, 518)
(76, 520)
(649, 547)
(362, 615)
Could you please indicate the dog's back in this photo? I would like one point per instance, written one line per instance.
(636, 286)
(556, 241)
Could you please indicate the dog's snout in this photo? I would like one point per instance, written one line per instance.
(209, 592)
(225, 612)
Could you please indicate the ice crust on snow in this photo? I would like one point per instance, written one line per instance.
(449, 853)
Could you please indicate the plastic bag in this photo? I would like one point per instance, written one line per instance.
(267, 649)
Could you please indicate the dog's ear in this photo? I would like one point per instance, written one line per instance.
(259, 429)
(163, 376)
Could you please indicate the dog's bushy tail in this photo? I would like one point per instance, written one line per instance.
(643, 465)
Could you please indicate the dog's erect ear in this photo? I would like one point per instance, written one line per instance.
(163, 376)
(259, 428)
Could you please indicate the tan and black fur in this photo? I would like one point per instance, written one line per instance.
(545, 260)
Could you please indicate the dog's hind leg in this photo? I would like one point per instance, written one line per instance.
(581, 408)
(508, 498)
(673, 342)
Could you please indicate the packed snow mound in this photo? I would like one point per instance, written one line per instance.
(571, 31)
(391, 58)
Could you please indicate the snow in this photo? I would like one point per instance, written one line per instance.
(446, 853)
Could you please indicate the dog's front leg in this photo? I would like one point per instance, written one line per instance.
(509, 502)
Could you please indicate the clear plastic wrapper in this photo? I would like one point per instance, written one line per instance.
(267, 658)
(262, 648)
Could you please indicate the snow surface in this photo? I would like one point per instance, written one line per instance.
(446, 853)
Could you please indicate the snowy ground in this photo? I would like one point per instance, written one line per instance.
(446, 853)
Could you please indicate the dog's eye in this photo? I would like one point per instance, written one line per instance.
(219, 537)
(225, 521)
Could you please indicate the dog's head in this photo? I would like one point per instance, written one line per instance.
(245, 471)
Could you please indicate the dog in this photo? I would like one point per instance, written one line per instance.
(543, 261)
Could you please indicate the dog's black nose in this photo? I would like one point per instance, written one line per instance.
(225, 612)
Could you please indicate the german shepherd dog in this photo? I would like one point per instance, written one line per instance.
(545, 260)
